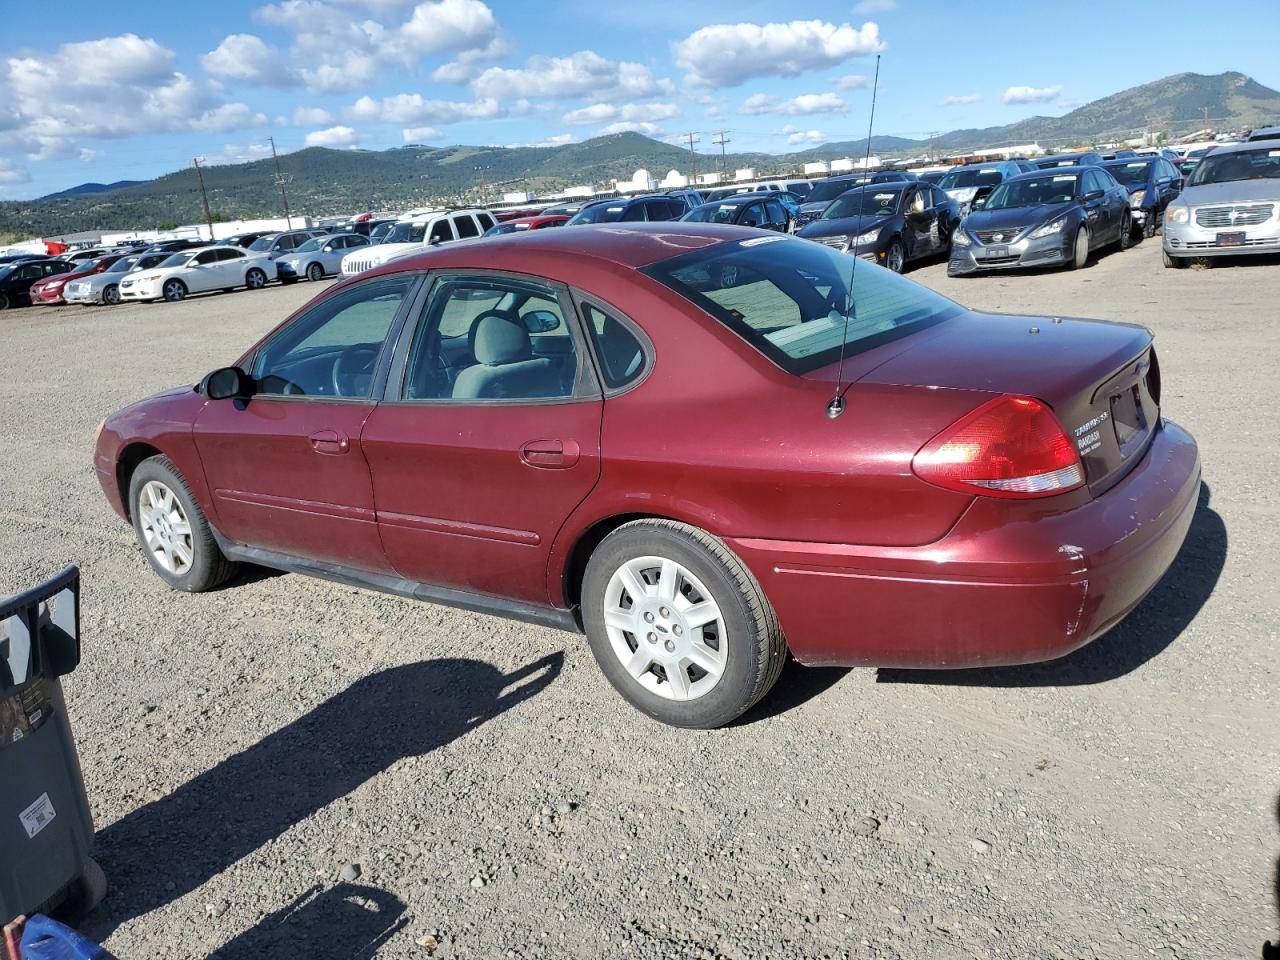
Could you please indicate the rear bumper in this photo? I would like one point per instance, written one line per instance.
(1009, 584)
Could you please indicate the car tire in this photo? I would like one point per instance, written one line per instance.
(174, 290)
(255, 279)
(315, 272)
(895, 256)
(5, 302)
(742, 641)
(1125, 240)
(1149, 226)
(1176, 263)
(172, 530)
(111, 295)
(1080, 255)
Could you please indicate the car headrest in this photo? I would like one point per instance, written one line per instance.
(498, 339)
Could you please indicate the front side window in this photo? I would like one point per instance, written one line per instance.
(491, 339)
(230, 254)
(332, 349)
(208, 256)
(441, 232)
(791, 300)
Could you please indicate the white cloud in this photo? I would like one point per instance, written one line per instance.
(635, 112)
(559, 140)
(440, 25)
(875, 6)
(726, 55)
(629, 126)
(582, 74)
(333, 137)
(1031, 94)
(88, 155)
(413, 108)
(803, 105)
(806, 136)
(238, 153)
(10, 175)
(852, 81)
(243, 56)
(419, 134)
(311, 117)
(468, 63)
(956, 100)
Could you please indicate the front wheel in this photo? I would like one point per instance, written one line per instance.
(111, 295)
(315, 272)
(1080, 256)
(172, 529)
(255, 279)
(895, 258)
(678, 625)
(175, 290)
(1174, 263)
(1125, 240)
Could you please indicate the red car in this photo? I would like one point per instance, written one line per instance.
(49, 291)
(632, 431)
(522, 224)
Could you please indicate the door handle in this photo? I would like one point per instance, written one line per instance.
(551, 454)
(330, 442)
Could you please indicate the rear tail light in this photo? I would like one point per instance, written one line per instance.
(1009, 447)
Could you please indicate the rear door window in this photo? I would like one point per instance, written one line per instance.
(620, 353)
(465, 226)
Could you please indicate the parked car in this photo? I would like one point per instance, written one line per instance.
(762, 210)
(568, 209)
(510, 447)
(16, 257)
(245, 240)
(1047, 219)
(1152, 182)
(174, 246)
(970, 185)
(933, 176)
(1229, 206)
(199, 271)
(88, 253)
(104, 287)
(49, 290)
(522, 224)
(412, 234)
(1192, 158)
(17, 278)
(276, 245)
(1264, 133)
(656, 206)
(824, 191)
(1085, 158)
(366, 227)
(1171, 155)
(1124, 154)
(319, 257)
(887, 223)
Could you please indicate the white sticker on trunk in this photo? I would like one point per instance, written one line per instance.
(37, 816)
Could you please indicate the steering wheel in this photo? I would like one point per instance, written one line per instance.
(349, 367)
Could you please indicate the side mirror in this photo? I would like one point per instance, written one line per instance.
(226, 384)
(434, 242)
(978, 203)
(749, 222)
(540, 321)
(1093, 195)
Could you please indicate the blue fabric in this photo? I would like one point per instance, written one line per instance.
(46, 939)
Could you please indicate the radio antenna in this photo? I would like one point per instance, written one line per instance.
(836, 406)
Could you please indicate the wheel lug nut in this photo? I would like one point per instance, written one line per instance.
(677, 630)
(652, 638)
(670, 646)
(648, 618)
(664, 611)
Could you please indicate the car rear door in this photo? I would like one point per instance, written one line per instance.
(479, 454)
(285, 468)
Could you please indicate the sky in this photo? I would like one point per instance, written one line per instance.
(108, 92)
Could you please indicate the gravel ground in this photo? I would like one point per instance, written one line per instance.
(291, 768)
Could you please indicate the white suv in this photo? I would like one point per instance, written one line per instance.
(416, 232)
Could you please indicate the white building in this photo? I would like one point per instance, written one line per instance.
(744, 173)
(640, 182)
(674, 180)
(817, 168)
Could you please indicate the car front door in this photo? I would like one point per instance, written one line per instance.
(1096, 209)
(752, 215)
(488, 436)
(918, 221)
(284, 467)
(203, 272)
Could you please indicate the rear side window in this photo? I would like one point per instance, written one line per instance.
(487, 222)
(621, 355)
(466, 227)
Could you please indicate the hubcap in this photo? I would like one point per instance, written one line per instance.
(174, 291)
(255, 280)
(165, 528)
(895, 259)
(665, 628)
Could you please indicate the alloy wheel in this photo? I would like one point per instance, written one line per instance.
(895, 258)
(665, 628)
(174, 290)
(255, 280)
(315, 272)
(111, 295)
(165, 528)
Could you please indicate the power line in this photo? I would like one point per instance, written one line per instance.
(724, 166)
(280, 180)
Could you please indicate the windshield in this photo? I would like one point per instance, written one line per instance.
(122, 265)
(960, 179)
(311, 246)
(713, 213)
(1133, 172)
(381, 230)
(600, 213)
(407, 232)
(864, 202)
(177, 260)
(828, 190)
(1034, 191)
(789, 298)
(1237, 165)
(263, 243)
(85, 266)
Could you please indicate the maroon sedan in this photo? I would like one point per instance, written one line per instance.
(49, 292)
(629, 431)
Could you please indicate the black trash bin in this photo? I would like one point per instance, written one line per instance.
(46, 830)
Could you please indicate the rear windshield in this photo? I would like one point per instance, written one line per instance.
(959, 179)
(1238, 165)
(789, 298)
(828, 190)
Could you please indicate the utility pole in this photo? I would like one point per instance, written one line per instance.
(693, 158)
(208, 217)
(724, 166)
(281, 179)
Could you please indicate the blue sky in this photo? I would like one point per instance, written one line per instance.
(121, 91)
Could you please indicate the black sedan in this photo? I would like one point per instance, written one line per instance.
(888, 223)
(16, 278)
(763, 210)
(1046, 219)
(1153, 183)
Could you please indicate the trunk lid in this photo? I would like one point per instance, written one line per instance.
(1100, 378)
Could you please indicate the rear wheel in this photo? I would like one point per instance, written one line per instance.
(1125, 240)
(172, 529)
(895, 258)
(111, 295)
(1080, 256)
(678, 625)
(255, 279)
(315, 272)
(1176, 263)
(175, 290)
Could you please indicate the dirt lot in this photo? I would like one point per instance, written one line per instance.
(242, 747)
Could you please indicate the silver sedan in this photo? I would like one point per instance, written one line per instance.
(319, 257)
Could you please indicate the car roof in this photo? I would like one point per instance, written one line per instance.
(1065, 156)
(1122, 161)
(1249, 145)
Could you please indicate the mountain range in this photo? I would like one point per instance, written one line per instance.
(322, 181)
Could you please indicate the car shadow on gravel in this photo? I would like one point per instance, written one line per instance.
(347, 921)
(796, 686)
(1153, 625)
(1271, 948)
(164, 850)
